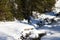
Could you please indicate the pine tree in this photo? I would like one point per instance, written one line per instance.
(25, 7)
(42, 5)
(18, 10)
(5, 11)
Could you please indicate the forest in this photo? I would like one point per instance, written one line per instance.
(22, 9)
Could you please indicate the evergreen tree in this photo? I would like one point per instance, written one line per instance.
(5, 11)
(18, 10)
(25, 7)
(42, 5)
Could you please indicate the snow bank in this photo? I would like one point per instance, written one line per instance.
(46, 16)
(13, 29)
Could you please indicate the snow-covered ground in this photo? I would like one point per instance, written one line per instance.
(53, 32)
(13, 30)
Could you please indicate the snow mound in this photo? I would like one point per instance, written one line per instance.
(13, 29)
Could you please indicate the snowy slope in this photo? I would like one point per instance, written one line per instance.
(53, 31)
(12, 29)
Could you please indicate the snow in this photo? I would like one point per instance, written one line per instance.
(5, 37)
(57, 5)
(13, 28)
(35, 33)
(46, 16)
(52, 30)
(53, 33)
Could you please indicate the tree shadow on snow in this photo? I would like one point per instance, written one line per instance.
(5, 37)
(50, 38)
